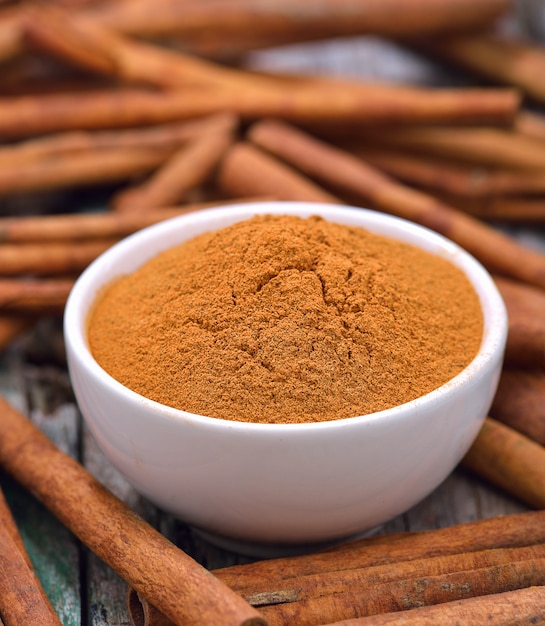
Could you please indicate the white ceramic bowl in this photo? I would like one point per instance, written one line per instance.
(282, 483)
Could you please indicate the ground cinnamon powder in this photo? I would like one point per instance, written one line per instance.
(280, 319)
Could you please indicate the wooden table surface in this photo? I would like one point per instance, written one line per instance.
(34, 378)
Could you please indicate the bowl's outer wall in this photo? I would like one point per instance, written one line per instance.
(282, 483)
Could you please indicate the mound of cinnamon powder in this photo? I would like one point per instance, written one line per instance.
(281, 319)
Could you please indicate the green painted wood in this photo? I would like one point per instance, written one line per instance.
(54, 551)
(54, 554)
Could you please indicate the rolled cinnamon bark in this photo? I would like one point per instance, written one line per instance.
(87, 226)
(185, 170)
(22, 116)
(530, 123)
(510, 210)
(43, 26)
(167, 577)
(526, 333)
(88, 167)
(36, 297)
(508, 531)
(406, 594)
(142, 613)
(246, 170)
(503, 59)
(11, 39)
(521, 606)
(48, 259)
(517, 606)
(168, 137)
(509, 460)
(520, 402)
(480, 146)
(227, 25)
(94, 47)
(379, 556)
(362, 580)
(271, 23)
(327, 19)
(444, 175)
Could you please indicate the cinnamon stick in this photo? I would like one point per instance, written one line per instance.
(44, 26)
(87, 226)
(94, 47)
(440, 174)
(246, 170)
(526, 333)
(23, 600)
(520, 402)
(185, 170)
(168, 137)
(503, 59)
(523, 607)
(142, 613)
(530, 123)
(38, 297)
(376, 556)
(509, 460)
(82, 168)
(312, 586)
(167, 577)
(482, 146)
(520, 606)
(401, 595)
(22, 116)
(59, 258)
(510, 210)
(163, 18)
(90, 45)
(508, 531)
(351, 175)
(11, 44)
(138, 62)
(272, 23)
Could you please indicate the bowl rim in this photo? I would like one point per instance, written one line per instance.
(492, 305)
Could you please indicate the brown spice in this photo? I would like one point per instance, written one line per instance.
(158, 570)
(283, 319)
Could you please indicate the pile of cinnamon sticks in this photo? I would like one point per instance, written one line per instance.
(489, 571)
(152, 101)
(466, 572)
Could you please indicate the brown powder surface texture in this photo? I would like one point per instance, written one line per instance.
(282, 319)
